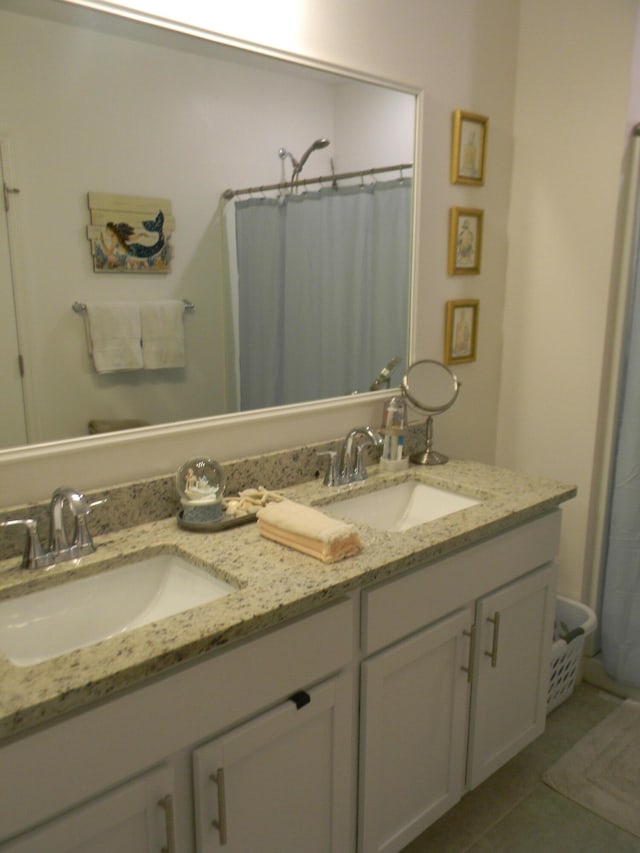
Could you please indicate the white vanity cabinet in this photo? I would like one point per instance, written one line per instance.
(263, 746)
(454, 678)
(514, 629)
(413, 732)
(279, 782)
(136, 817)
(229, 711)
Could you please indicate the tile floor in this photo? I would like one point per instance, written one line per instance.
(515, 812)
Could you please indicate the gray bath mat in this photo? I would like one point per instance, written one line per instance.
(602, 771)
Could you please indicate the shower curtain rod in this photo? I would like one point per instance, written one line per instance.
(229, 194)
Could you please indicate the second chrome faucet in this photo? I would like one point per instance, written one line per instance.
(347, 465)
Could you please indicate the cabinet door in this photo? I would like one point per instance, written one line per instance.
(413, 733)
(282, 782)
(513, 641)
(133, 818)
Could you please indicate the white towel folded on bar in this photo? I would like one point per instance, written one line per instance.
(113, 335)
(162, 324)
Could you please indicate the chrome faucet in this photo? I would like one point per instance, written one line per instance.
(59, 545)
(59, 549)
(343, 469)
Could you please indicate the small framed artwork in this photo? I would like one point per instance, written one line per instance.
(465, 240)
(461, 331)
(469, 148)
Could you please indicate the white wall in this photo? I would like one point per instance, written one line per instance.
(458, 55)
(571, 131)
(387, 114)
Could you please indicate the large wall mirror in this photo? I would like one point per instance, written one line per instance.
(97, 103)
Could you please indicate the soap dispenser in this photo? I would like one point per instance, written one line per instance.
(394, 426)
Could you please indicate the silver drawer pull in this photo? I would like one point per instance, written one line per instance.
(166, 803)
(472, 646)
(221, 823)
(493, 654)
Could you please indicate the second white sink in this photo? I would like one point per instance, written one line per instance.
(400, 507)
(58, 619)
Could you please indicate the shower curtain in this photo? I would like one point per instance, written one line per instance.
(620, 611)
(323, 290)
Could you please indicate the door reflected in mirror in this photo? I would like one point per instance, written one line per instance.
(126, 108)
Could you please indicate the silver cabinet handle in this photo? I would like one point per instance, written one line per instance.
(472, 647)
(493, 654)
(221, 823)
(166, 804)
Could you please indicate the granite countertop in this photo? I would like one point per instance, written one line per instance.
(273, 584)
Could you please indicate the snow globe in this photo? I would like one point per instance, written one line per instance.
(201, 485)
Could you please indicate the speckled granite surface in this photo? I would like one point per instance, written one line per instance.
(132, 504)
(273, 583)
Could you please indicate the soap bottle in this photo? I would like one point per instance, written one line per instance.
(394, 425)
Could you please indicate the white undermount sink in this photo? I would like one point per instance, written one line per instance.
(397, 508)
(49, 622)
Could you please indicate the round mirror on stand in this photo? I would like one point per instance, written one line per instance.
(432, 388)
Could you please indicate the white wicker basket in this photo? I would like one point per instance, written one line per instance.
(566, 657)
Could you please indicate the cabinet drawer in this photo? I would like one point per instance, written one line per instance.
(403, 605)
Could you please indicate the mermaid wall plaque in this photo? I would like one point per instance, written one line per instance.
(130, 233)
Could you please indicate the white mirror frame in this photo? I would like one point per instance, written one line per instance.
(29, 474)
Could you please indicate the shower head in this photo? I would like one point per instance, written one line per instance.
(319, 143)
(298, 164)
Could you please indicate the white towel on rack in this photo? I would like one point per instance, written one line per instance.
(113, 335)
(162, 324)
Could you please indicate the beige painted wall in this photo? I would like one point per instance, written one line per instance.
(570, 131)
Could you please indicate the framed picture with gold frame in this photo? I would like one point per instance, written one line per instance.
(465, 240)
(461, 331)
(469, 148)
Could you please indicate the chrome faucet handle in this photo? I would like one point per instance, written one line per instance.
(34, 557)
(331, 475)
(98, 502)
(82, 539)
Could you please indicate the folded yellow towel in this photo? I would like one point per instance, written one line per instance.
(308, 530)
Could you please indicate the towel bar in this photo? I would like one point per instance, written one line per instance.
(80, 307)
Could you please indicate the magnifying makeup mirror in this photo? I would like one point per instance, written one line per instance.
(430, 387)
